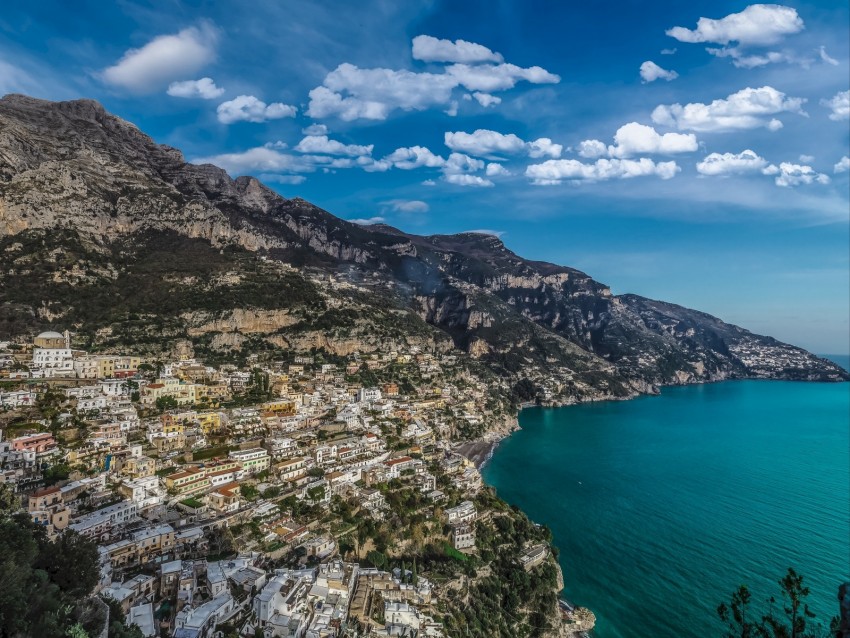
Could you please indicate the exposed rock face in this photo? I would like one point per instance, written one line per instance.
(116, 195)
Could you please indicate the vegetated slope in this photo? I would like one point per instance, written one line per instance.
(103, 229)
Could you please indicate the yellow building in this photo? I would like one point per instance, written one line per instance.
(191, 481)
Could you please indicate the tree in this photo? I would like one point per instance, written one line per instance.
(71, 561)
(166, 403)
(739, 626)
(794, 595)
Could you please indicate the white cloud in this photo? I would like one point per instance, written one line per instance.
(757, 25)
(374, 93)
(204, 89)
(498, 77)
(367, 222)
(352, 93)
(282, 179)
(408, 158)
(797, 175)
(486, 231)
(466, 180)
(592, 149)
(553, 172)
(839, 104)
(164, 59)
(485, 99)
(807, 159)
(745, 109)
(429, 182)
(668, 51)
(321, 144)
(494, 169)
(637, 139)
(825, 57)
(458, 170)
(247, 108)
(315, 129)
(649, 72)
(460, 163)
(407, 206)
(732, 163)
(430, 49)
(261, 159)
(484, 143)
(487, 143)
(544, 147)
(842, 166)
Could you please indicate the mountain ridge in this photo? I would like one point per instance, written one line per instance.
(72, 166)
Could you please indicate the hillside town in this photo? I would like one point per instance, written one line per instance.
(302, 496)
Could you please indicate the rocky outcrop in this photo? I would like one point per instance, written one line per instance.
(75, 167)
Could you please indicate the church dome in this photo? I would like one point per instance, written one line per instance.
(50, 335)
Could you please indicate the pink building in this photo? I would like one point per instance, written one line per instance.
(37, 443)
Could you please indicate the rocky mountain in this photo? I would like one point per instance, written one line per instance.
(107, 232)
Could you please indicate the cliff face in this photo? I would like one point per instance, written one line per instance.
(88, 202)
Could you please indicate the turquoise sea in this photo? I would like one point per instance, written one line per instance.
(662, 506)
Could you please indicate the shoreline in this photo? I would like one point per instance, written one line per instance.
(482, 450)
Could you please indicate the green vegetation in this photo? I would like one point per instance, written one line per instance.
(45, 585)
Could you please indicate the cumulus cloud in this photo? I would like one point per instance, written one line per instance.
(498, 77)
(592, 149)
(487, 143)
(553, 172)
(459, 169)
(649, 72)
(368, 221)
(315, 129)
(746, 109)
(635, 139)
(322, 144)
(484, 143)
(204, 89)
(407, 206)
(544, 147)
(668, 51)
(485, 99)
(757, 25)
(408, 158)
(373, 93)
(352, 93)
(261, 159)
(839, 104)
(807, 159)
(464, 179)
(494, 169)
(842, 165)
(164, 59)
(796, 175)
(247, 108)
(732, 163)
(430, 49)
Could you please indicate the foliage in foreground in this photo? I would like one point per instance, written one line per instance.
(794, 621)
(45, 585)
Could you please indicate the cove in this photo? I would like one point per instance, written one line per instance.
(661, 506)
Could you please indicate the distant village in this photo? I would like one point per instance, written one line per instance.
(230, 500)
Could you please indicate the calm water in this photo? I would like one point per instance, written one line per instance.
(661, 506)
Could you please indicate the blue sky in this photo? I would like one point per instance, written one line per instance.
(693, 152)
